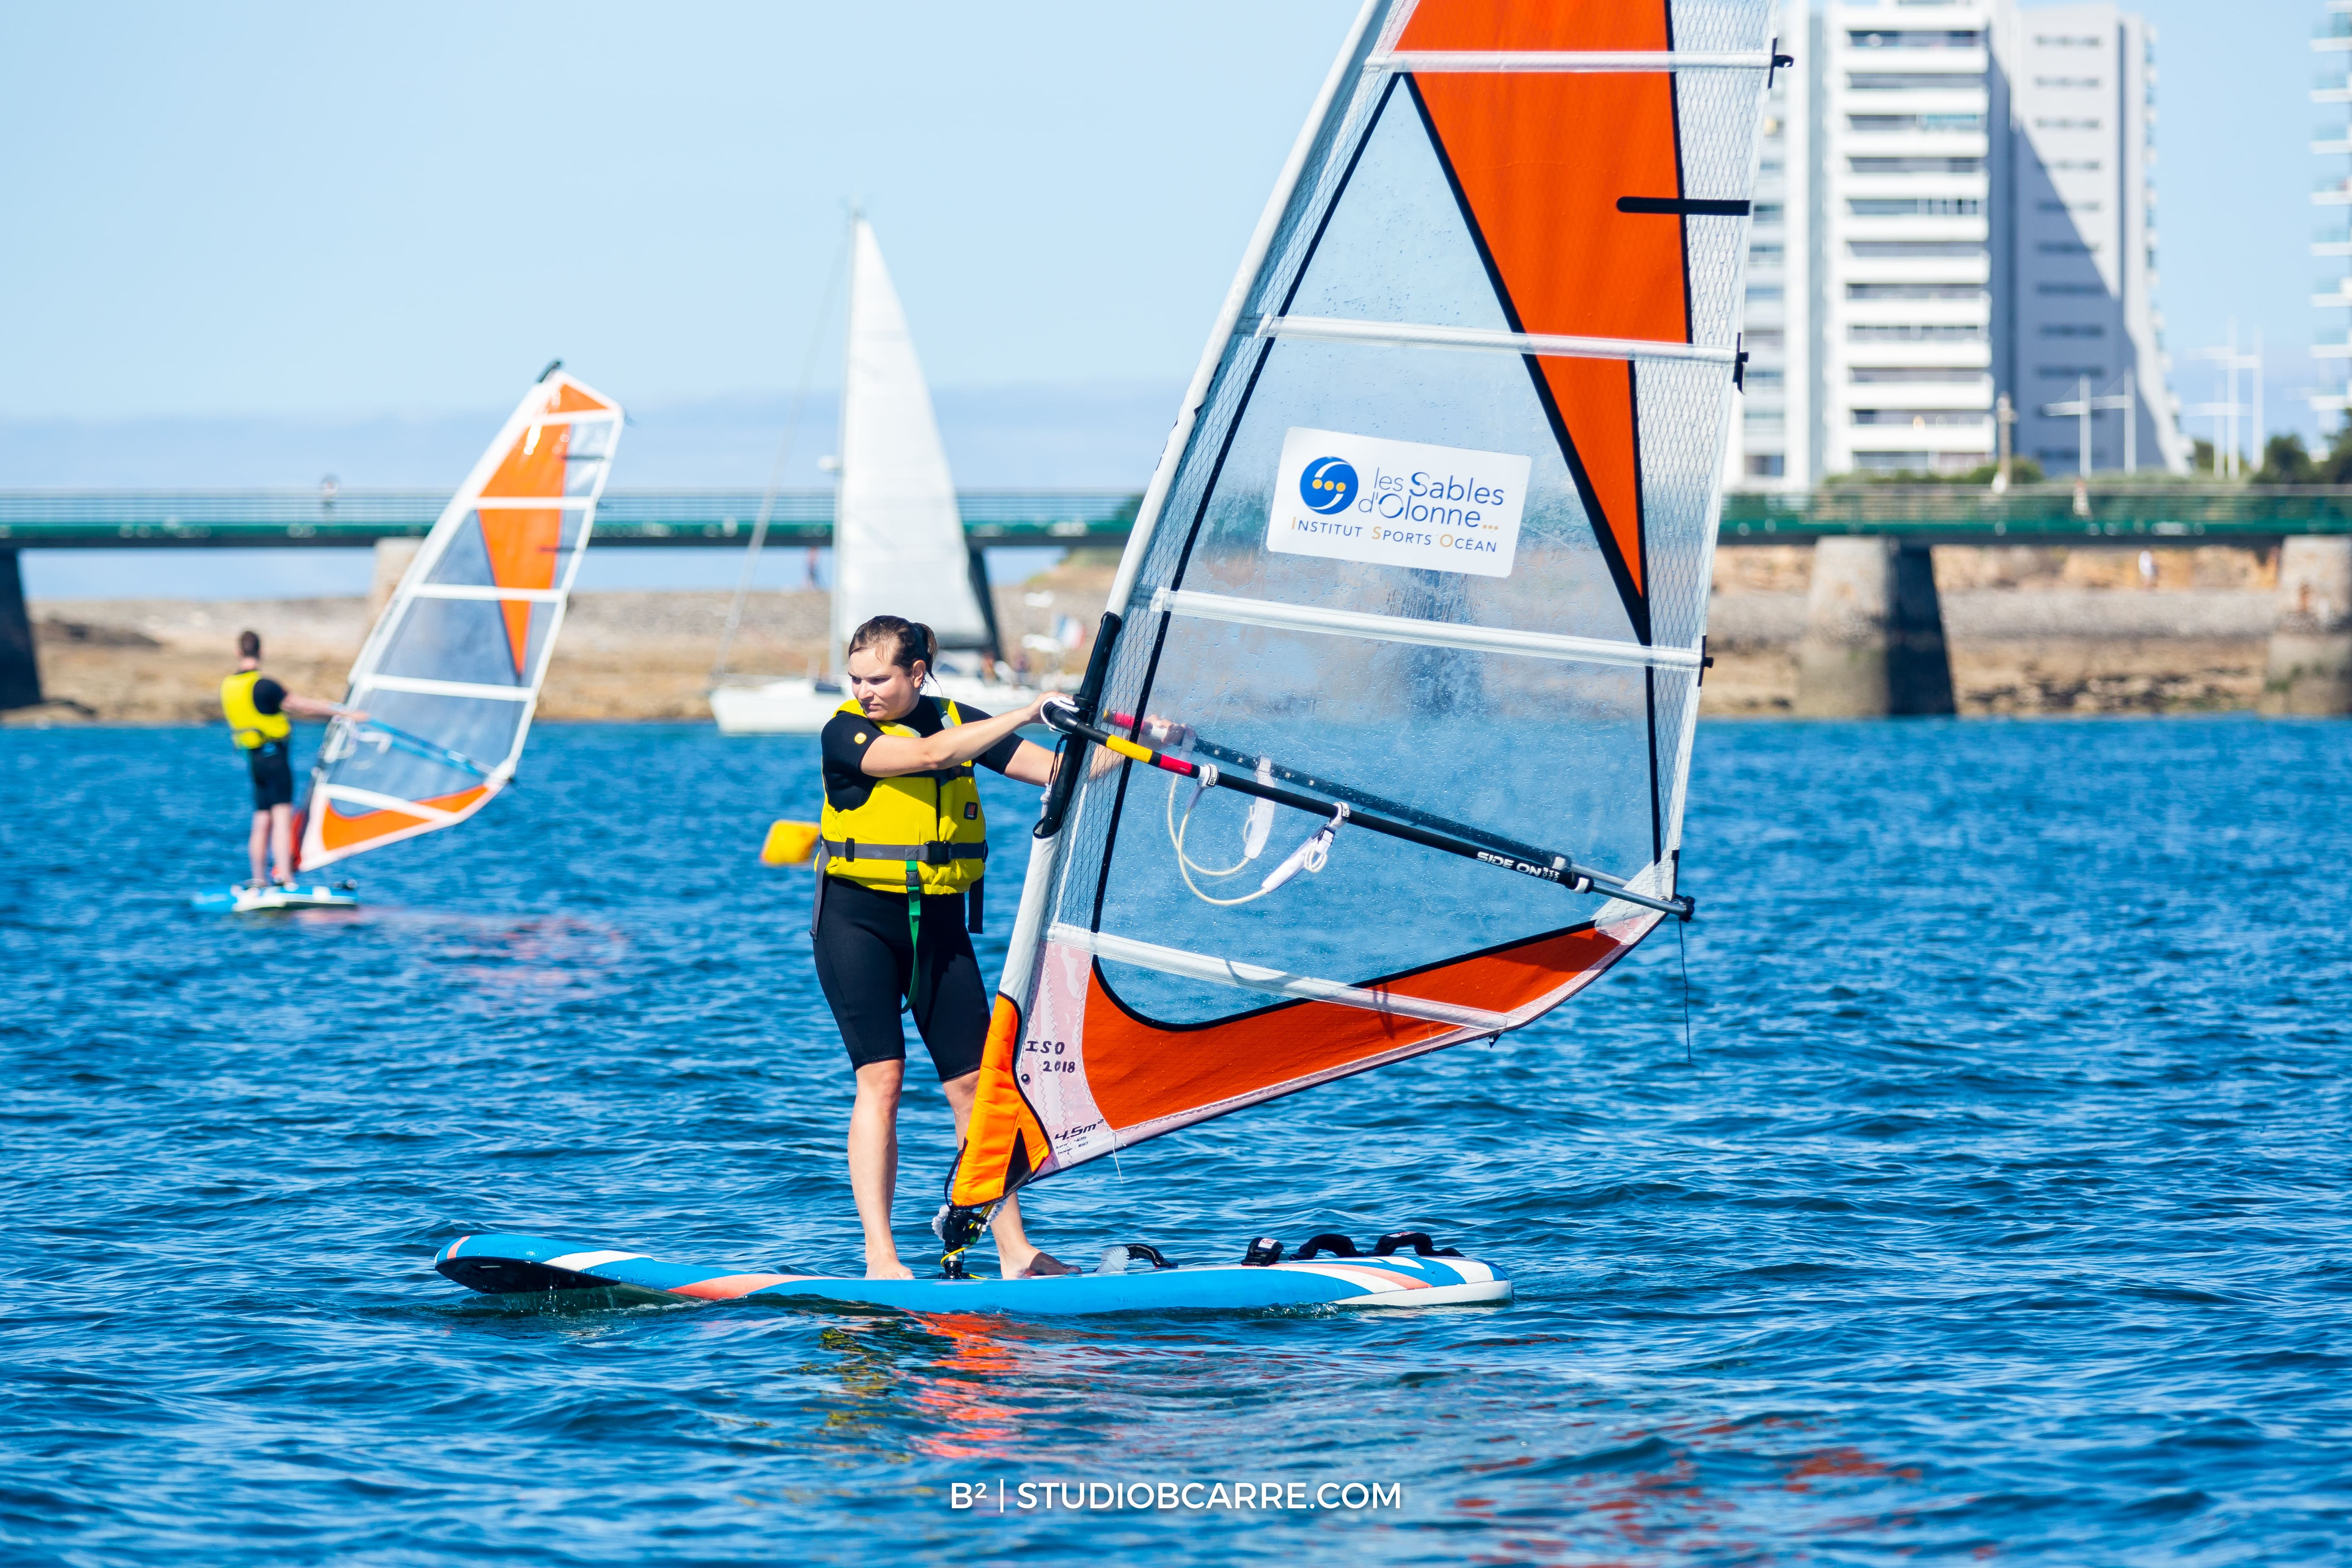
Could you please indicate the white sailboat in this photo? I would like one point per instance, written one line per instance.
(898, 537)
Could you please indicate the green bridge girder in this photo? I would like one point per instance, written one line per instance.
(2048, 514)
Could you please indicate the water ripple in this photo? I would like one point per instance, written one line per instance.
(1996, 1212)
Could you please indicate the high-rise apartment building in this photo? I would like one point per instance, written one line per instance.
(1976, 220)
(2083, 238)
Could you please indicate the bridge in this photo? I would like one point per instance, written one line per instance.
(1876, 646)
(2054, 514)
(83, 520)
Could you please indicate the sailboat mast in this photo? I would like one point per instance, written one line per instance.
(838, 643)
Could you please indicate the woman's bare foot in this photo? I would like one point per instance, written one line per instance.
(1039, 1265)
(891, 1268)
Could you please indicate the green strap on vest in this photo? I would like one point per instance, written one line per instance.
(915, 941)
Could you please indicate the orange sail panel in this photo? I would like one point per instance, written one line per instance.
(522, 546)
(1450, 600)
(1147, 1076)
(1541, 182)
(450, 674)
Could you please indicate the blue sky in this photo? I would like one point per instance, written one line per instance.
(261, 241)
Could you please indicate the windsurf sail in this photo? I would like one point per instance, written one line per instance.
(1384, 746)
(897, 534)
(450, 674)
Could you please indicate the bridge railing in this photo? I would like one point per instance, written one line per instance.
(85, 519)
(2151, 513)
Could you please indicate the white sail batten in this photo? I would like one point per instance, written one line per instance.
(475, 689)
(1502, 61)
(1258, 977)
(897, 535)
(1424, 634)
(489, 593)
(450, 675)
(1401, 334)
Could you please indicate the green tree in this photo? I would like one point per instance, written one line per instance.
(2334, 466)
(2285, 462)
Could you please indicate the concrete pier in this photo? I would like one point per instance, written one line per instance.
(2310, 666)
(1874, 642)
(20, 667)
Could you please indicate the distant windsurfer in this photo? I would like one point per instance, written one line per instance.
(904, 846)
(258, 712)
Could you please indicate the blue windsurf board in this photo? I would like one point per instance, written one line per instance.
(537, 1268)
(245, 900)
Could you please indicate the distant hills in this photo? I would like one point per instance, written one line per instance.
(1079, 434)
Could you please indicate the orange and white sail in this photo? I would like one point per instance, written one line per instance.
(450, 674)
(1429, 544)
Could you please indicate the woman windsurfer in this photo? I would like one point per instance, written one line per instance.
(903, 849)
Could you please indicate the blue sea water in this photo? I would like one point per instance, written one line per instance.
(1996, 1212)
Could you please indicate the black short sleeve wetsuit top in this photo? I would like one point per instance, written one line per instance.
(271, 763)
(846, 735)
(864, 956)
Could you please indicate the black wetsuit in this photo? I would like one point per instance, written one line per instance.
(271, 763)
(864, 956)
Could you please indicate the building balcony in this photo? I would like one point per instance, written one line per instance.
(1910, 143)
(1889, 311)
(1920, 354)
(1973, 397)
(1975, 270)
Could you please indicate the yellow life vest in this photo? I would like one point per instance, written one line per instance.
(914, 830)
(249, 725)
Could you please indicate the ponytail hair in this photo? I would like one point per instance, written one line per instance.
(900, 642)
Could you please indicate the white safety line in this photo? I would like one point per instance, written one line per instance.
(442, 687)
(1405, 334)
(1489, 61)
(1427, 633)
(375, 802)
(487, 591)
(1255, 978)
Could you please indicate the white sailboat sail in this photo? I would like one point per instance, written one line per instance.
(897, 535)
(898, 544)
(1410, 628)
(450, 675)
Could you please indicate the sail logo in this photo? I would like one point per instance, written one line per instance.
(1327, 485)
(1397, 503)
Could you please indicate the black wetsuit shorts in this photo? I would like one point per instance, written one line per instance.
(272, 766)
(864, 960)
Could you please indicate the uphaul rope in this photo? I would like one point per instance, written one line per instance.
(1434, 833)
